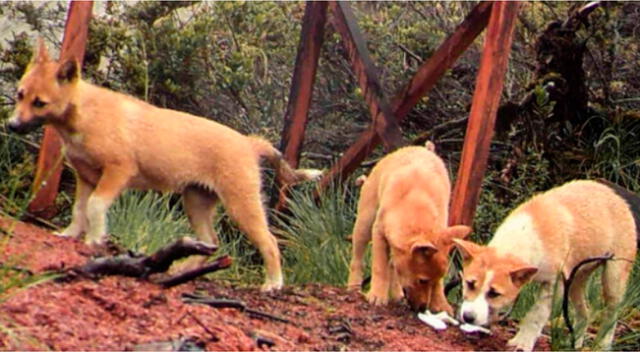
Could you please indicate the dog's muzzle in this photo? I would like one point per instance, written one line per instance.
(16, 126)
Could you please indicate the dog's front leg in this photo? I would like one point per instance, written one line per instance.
(379, 293)
(532, 324)
(438, 302)
(78, 223)
(112, 183)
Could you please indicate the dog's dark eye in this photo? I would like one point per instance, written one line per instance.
(471, 284)
(38, 103)
(423, 281)
(493, 293)
(20, 95)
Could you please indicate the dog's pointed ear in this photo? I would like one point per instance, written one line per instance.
(522, 275)
(425, 249)
(456, 231)
(40, 52)
(466, 248)
(69, 71)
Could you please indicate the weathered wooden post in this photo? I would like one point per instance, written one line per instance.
(486, 98)
(304, 75)
(49, 167)
(422, 82)
(384, 123)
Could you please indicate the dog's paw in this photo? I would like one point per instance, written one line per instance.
(64, 234)
(271, 286)
(354, 282)
(521, 343)
(442, 307)
(95, 241)
(353, 287)
(69, 232)
(376, 299)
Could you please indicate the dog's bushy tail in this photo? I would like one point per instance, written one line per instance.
(284, 171)
(632, 199)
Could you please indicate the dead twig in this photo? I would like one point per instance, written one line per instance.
(229, 303)
(214, 337)
(409, 52)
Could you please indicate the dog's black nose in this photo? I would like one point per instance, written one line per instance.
(13, 127)
(469, 317)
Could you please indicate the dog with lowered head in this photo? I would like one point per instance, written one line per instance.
(115, 141)
(403, 210)
(549, 235)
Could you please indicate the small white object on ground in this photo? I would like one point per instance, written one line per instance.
(437, 321)
(468, 328)
(447, 318)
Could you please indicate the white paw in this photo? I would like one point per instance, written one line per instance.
(269, 286)
(377, 299)
(522, 343)
(95, 241)
(70, 231)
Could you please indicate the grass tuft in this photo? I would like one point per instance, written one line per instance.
(314, 236)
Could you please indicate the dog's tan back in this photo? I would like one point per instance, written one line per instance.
(403, 209)
(115, 142)
(546, 236)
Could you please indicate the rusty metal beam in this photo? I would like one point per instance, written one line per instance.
(484, 106)
(384, 122)
(49, 167)
(304, 74)
(422, 82)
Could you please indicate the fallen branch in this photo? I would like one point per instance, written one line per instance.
(220, 263)
(229, 303)
(161, 260)
(140, 266)
(567, 286)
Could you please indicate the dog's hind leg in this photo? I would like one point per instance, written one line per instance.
(242, 202)
(199, 205)
(79, 221)
(614, 284)
(367, 207)
(577, 297)
(200, 208)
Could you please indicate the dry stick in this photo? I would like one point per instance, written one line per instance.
(567, 285)
(229, 303)
(220, 263)
(213, 335)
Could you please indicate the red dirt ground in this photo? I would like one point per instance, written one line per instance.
(119, 313)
